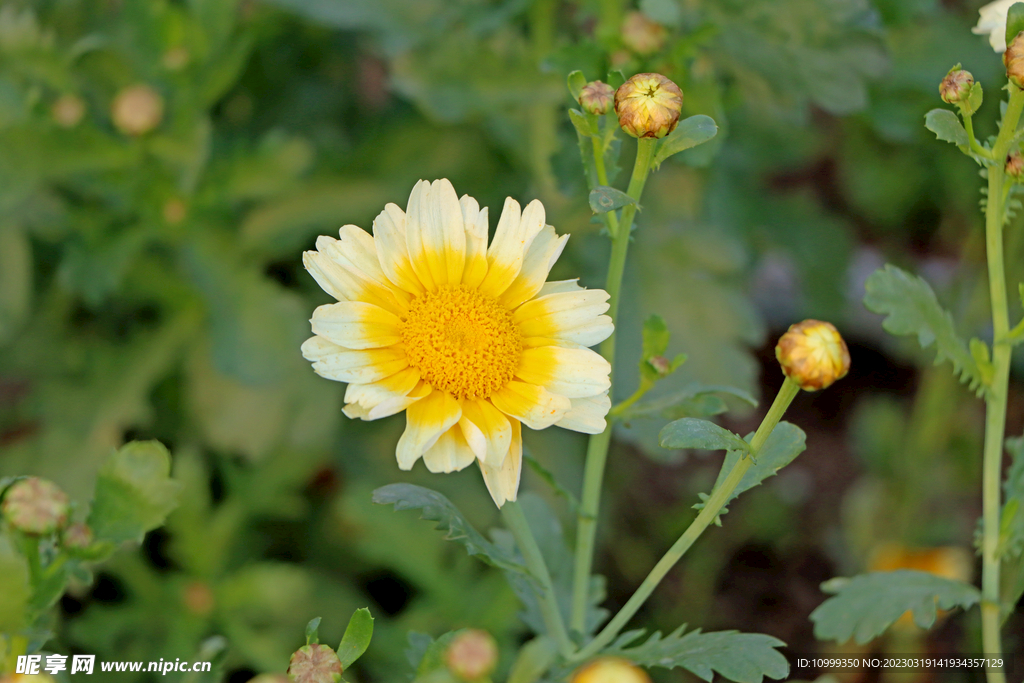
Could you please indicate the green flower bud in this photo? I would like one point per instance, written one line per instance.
(35, 506)
(956, 86)
(596, 97)
(472, 655)
(648, 105)
(315, 664)
(813, 354)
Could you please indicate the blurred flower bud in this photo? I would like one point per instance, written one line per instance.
(1014, 164)
(956, 86)
(198, 598)
(35, 506)
(315, 664)
(472, 655)
(648, 105)
(174, 211)
(661, 365)
(610, 670)
(176, 58)
(77, 536)
(1013, 58)
(641, 34)
(596, 97)
(137, 109)
(813, 354)
(68, 110)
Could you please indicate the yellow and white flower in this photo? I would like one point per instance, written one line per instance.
(467, 338)
(992, 20)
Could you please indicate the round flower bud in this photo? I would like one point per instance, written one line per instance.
(641, 34)
(813, 355)
(610, 670)
(596, 97)
(315, 664)
(77, 536)
(956, 86)
(648, 105)
(1013, 59)
(198, 598)
(472, 655)
(1014, 164)
(137, 110)
(35, 506)
(68, 111)
(661, 365)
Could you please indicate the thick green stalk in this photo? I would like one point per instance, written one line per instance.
(711, 510)
(597, 448)
(995, 409)
(517, 524)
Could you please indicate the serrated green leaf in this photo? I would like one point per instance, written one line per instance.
(695, 400)
(436, 508)
(740, 657)
(863, 607)
(946, 126)
(1014, 21)
(1013, 492)
(576, 82)
(688, 133)
(910, 307)
(581, 123)
(357, 637)
(691, 432)
(134, 492)
(604, 199)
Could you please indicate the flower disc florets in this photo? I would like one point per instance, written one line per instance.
(648, 105)
(813, 354)
(315, 664)
(35, 506)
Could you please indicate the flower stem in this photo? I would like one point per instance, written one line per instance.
(995, 409)
(602, 179)
(597, 448)
(517, 524)
(711, 510)
(972, 143)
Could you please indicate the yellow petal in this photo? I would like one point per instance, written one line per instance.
(372, 394)
(503, 481)
(574, 316)
(342, 280)
(531, 404)
(573, 373)
(425, 421)
(392, 251)
(435, 233)
(587, 415)
(512, 239)
(543, 253)
(348, 365)
(397, 403)
(487, 430)
(356, 325)
(451, 453)
(475, 220)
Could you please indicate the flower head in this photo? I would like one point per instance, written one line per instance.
(610, 670)
(467, 338)
(1013, 59)
(992, 20)
(648, 105)
(1014, 164)
(596, 97)
(137, 110)
(641, 34)
(813, 355)
(472, 655)
(314, 664)
(956, 86)
(35, 506)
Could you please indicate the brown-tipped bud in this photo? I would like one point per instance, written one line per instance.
(315, 664)
(813, 354)
(78, 536)
(661, 365)
(35, 506)
(610, 670)
(1013, 58)
(137, 110)
(472, 655)
(648, 105)
(596, 98)
(641, 34)
(956, 86)
(68, 111)
(1014, 164)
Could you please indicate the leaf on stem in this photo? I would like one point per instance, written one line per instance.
(357, 637)
(534, 659)
(653, 364)
(689, 133)
(436, 508)
(740, 657)
(946, 126)
(313, 631)
(17, 592)
(576, 82)
(695, 400)
(581, 123)
(1014, 21)
(604, 199)
(691, 432)
(911, 308)
(863, 607)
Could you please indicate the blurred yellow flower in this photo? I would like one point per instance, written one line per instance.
(467, 338)
(949, 562)
(992, 20)
(610, 670)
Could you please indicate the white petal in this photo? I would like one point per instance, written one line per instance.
(587, 415)
(392, 251)
(425, 421)
(451, 453)
(475, 220)
(543, 253)
(573, 373)
(503, 481)
(356, 325)
(531, 404)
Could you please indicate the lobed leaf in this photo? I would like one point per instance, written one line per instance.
(689, 133)
(865, 606)
(911, 308)
(692, 432)
(740, 657)
(946, 126)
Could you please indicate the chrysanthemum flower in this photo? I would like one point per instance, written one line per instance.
(467, 338)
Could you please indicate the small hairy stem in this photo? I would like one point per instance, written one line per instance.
(597, 448)
(711, 510)
(517, 524)
(972, 143)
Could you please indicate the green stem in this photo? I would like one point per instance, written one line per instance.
(972, 143)
(517, 524)
(602, 179)
(620, 408)
(30, 548)
(711, 510)
(995, 409)
(597, 448)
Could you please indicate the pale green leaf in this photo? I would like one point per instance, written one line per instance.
(688, 133)
(863, 607)
(533, 660)
(312, 631)
(357, 637)
(656, 336)
(604, 199)
(581, 123)
(1014, 21)
(946, 126)
(576, 82)
(691, 432)
(17, 589)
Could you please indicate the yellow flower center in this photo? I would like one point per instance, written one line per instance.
(461, 341)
